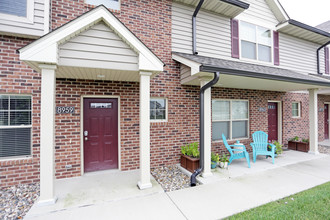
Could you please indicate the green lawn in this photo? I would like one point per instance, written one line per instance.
(310, 204)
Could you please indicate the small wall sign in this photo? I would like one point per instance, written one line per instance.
(64, 109)
(321, 109)
(261, 109)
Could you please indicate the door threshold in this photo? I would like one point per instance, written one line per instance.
(101, 172)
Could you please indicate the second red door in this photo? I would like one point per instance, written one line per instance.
(272, 121)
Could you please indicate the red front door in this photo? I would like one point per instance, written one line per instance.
(272, 121)
(326, 121)
(100, 134)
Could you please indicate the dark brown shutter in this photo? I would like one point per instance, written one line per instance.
(326, 56)
(234, 38)
(276, 49)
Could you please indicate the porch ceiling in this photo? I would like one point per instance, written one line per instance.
(241, 75)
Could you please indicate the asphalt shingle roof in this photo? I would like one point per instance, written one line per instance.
(209, 64)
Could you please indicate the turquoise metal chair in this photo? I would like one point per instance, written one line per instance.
(260, 146)
(241, 152)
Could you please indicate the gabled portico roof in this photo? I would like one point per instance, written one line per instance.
(45, 49)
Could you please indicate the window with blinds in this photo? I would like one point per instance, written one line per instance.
(15, 125)
(14, 7)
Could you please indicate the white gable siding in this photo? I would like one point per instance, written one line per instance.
(98, 47)
(213, 32)
(34, 29)
(259, 13)
(299, 55)
(214, 37)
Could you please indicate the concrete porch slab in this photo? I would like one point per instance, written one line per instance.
(94, 188)
(229, 196)
(240, 168)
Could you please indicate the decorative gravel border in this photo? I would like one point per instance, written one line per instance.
(171, 178)
(324, 149)
(16, 201)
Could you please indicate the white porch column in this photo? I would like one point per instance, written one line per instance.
(207, 129)
(313, 128)
(47, 132)
(144, 130)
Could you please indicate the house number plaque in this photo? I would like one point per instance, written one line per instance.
(64, 109)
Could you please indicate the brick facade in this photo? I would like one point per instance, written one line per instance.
(151, 22)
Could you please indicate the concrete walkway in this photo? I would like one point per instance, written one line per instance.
(214, 200)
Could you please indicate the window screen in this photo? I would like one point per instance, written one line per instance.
(15, 125)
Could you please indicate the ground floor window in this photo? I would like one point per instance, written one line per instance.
(158, 109)
(231, 118)
(15, 125)
(295, 109)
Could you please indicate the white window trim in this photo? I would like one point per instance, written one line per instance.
(231, 120)
(271, 63)
(299, 110)
(113, 8)
(22, 157)
(29, 14)
(166, 111)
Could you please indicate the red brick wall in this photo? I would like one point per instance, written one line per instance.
(291, 127)
(321, 101)
(18, 78)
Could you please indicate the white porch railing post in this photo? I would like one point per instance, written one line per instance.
(313, 128)
(144, 130)
(47, 133)
(207, 129)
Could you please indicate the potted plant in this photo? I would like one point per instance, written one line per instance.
(214, 160)
(190, 157)
(224, 161)
(278, 149)
(292, 144)
(295, 144)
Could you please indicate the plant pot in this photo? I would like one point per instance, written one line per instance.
(225, 165)
(222, 164)
(213, 164)
(292, 145)
(189, 163)
(299, 146)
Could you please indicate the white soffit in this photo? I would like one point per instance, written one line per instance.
(277, 10)
(45, 49)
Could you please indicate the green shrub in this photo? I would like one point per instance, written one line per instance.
(190, 150)
(215, 157)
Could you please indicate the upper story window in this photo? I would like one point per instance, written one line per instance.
(256, 42)
(17, 10)
(113, 4)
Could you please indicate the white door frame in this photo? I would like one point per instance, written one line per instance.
(279, 119)
(82, 127)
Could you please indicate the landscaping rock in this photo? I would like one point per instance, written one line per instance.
(171, 178)
(16, 201)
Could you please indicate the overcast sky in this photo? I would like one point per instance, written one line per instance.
(311, 12)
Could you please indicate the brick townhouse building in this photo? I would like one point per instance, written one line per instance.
(87, 87)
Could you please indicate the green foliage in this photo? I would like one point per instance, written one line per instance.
(296, 138)
(305, 140)
(215, 157)
(224, 158)
(279, 146)
(309, 204)
(190, 150)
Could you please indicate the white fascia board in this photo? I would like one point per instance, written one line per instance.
(278, 10)
(194, 66)
(279, 27)
(39, 50)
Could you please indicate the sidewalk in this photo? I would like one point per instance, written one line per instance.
(210, 201)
